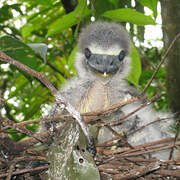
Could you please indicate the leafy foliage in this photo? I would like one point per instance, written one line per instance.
(153, 56)
(135, 73)
(39, 48)
(129, 15)
(18, 50)
(151, 4)
(70, 19)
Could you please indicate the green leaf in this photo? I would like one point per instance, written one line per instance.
(39, 48)
(115, 3)
(19, 51)
(27, 30)
(147, 74)
(101, 6)
(5, 13)
(151, 4)
(135, 72)
(20, 82)
(129, 15)
(81, 6)
(17, 7)
(36, 101)
(42, 2)
(39, 2)
(72, 57)
(65, 22)
(70, 19)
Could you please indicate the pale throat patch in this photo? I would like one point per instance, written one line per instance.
(113, 50)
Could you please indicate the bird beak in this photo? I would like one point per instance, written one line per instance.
(104, 65)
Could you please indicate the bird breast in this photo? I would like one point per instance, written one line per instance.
(95, 99)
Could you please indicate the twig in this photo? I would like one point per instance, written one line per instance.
(10, 171)
(175, 139)
(26, 171)
(148, 145)
(120, 137)
(116, 122)
(116, 151)
(25, 144)
(87, 117)
(161, 62)
(51, 66)
(25, 158)
(142, 127)
(151, 150)
(3, 30)
(10, 124)
(34, 73)
(164, 172)
(115, 106)
(137, 172)
(2, 102)
(164, 162)
(60, 101)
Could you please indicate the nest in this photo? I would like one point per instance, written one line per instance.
(116, 158)
(19, 161)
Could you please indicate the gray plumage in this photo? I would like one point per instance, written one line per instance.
(102, 63)
(95, 90)
(91, 92)
(105, 35)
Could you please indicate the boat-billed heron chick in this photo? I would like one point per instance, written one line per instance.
(102, 63)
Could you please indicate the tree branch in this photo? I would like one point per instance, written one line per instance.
(161, 62)
(38, 75)
(61, 102)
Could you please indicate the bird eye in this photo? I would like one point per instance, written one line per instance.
(122, 55)
(87, 53)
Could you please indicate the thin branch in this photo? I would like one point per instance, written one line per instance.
(161, 62)
(34, 73)
(175, 139)
(60, 101)
(9, 34)
(146, 150)
(116, 122)
(115, 106)
(10, 172)
(87, 117)
(52, 67)
(151, 145)
(164, 172)
(152, 122)
(2, 102)
(120, 137)
(10, 124)
(138, 171)
(41, 168)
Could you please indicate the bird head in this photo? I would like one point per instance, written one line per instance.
(103, 48)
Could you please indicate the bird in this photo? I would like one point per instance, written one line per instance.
(102, 63)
